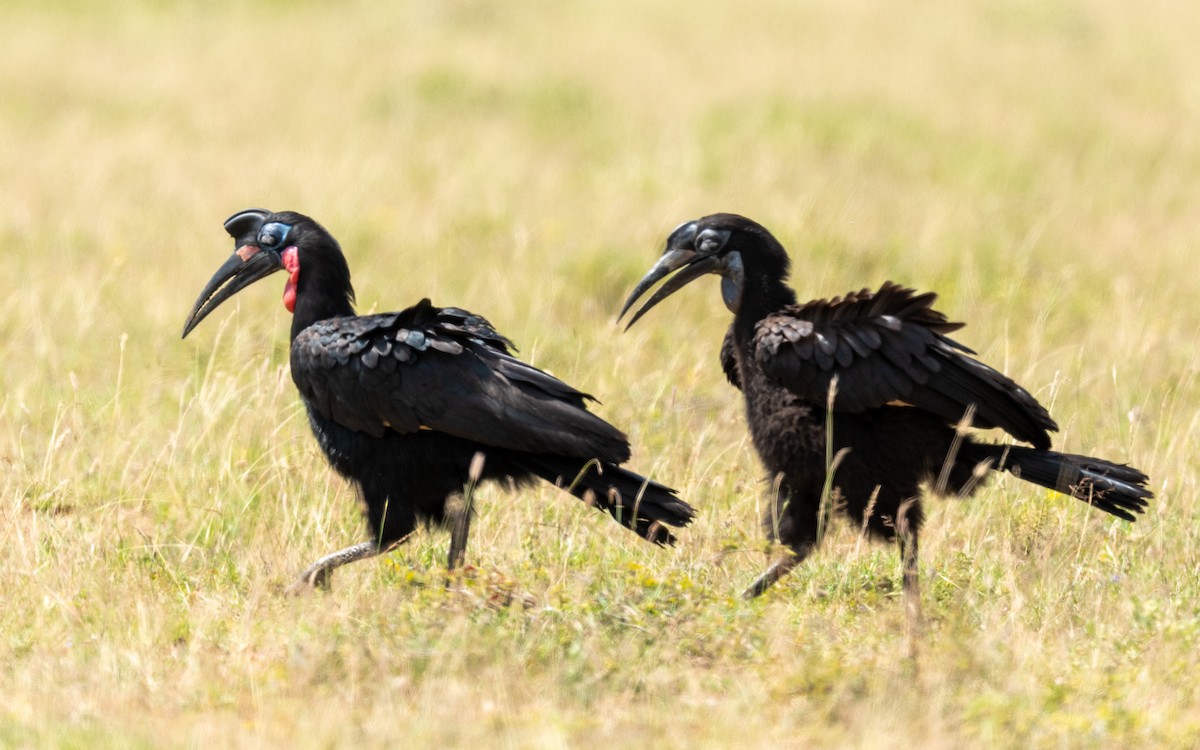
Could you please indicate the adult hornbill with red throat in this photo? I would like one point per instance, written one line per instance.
(898, 388)
(413, 406)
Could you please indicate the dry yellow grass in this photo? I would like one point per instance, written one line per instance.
(1038, 163)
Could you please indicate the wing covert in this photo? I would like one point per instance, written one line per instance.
(444, 370)
(886, 347)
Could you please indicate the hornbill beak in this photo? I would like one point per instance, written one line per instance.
(694, 266)
(248, 264)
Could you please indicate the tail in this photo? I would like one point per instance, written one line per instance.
(1118, 489)
(637, 503)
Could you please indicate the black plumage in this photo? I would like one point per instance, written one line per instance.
(870, 385)
(414, 405)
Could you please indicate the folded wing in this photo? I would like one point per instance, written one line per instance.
(890, 346)
(446, 370)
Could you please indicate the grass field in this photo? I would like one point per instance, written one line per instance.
(1037, 163)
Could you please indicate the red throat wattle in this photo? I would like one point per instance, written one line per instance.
(291, 263)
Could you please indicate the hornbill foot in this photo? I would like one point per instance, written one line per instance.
(772, 574)
(317, 575)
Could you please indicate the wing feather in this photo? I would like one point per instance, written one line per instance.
(886, 346)
(447, 370)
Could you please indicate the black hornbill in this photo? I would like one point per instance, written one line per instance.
(413, 406)
(870, 386)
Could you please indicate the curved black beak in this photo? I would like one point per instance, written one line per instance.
(694, 266)
(248, 264)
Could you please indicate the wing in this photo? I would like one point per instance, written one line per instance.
(447, 370)
(729, 360)
(891, 346)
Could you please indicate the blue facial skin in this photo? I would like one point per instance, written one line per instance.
(273, 235)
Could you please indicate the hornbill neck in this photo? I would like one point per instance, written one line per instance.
(320, 296)
(764, 294)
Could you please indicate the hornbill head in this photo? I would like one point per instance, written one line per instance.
(731, 246)
(265, 242)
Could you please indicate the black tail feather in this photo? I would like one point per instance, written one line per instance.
(1114, 488)
(637, 503)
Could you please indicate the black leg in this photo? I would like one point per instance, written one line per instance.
(912, 580)
(458, 535)
(792, 523)
(316, 576)
(778, 570)
(460, 508)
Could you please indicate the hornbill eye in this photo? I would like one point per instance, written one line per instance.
(710, 241)
(273, 235)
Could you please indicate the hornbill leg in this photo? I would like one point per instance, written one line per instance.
(316, 576)
(778, 570)
(460, 507)
(458, 534)
(912, 580)
(786, 521)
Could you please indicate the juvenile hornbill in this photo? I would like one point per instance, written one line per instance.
(413, 406)
(899, 388)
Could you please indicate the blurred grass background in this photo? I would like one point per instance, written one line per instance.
(1037, 163)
